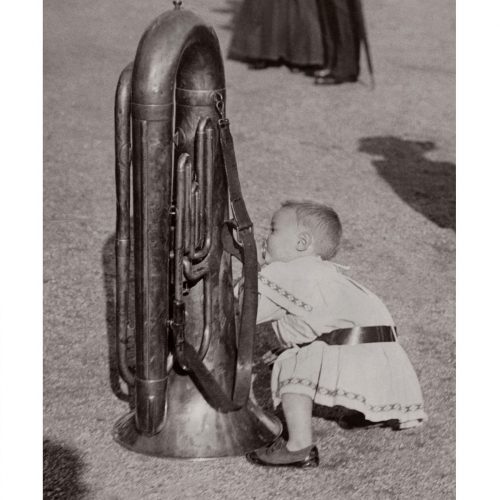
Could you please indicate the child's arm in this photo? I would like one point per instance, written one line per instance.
(268, 310)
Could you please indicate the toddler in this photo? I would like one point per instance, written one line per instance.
(341, 347)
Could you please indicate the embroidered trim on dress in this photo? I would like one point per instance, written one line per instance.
(350, 395)
(273, 286)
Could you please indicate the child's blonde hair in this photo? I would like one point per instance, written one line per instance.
(322, 221)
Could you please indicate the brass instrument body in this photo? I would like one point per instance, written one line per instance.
(183, 276)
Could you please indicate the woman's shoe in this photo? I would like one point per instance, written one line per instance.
(331, 79)
(278, 455)
(320, 73)
(258, 65)
(349, 419)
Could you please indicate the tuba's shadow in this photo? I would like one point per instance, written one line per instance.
(427, 186)
(109, 283)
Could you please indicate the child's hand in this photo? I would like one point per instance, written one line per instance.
(269, 357)
(261, 253)
(237, 286)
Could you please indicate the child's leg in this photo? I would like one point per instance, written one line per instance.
(298, 414)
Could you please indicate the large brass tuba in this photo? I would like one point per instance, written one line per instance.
(193, 363)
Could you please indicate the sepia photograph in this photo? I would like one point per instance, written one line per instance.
(249, 251)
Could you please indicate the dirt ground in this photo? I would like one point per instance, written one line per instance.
(384, 158)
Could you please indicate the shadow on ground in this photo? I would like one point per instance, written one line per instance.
(109, 276)
(427, 186)
(62, 471)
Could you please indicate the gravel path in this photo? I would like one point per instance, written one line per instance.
(384, 158)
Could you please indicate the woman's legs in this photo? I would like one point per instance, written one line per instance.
(341, 41)
(348, 41)
(298, 414)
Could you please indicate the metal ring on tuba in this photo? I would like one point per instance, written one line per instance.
(192, 364)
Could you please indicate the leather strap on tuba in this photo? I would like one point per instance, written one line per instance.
(245, 250)
(248, 255)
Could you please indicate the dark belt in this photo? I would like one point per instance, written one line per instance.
(357, 335)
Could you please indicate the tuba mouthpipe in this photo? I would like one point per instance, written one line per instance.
(198, 217)
(206, 167)
(188, 208)
(183, 194)
(180, 230)
(200, 138)
(122, 243)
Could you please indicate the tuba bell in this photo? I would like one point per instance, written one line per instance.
(193, 360)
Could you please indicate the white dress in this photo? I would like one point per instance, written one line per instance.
(307, 297)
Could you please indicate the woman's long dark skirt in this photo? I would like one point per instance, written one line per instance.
(287, 31)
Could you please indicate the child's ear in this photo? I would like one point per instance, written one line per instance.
(304, 241)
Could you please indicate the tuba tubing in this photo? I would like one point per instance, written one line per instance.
(177, 72)
(192, 371)
(122, 242)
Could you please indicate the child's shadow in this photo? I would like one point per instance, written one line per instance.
(427, 186)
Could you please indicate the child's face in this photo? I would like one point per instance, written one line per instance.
(281, 242)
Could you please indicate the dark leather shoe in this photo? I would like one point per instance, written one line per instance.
(320, 73)
(258, 65)
(333, 80)
(278, 455)
(349, 419)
